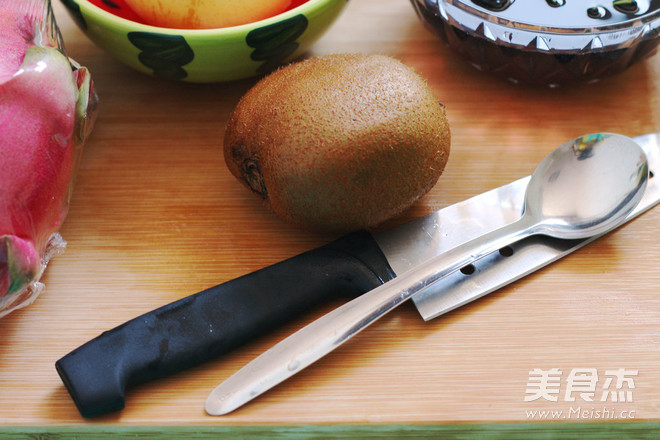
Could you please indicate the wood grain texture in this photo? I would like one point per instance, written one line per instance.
(156, 216)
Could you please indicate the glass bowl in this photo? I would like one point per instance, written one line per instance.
(549, 42)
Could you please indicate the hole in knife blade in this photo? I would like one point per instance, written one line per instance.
(651, 174)
(506, 251)
(468, 270)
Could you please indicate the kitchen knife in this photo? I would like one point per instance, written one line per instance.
(330, 331)
(210, 323)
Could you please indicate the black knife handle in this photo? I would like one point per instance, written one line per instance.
(205, 325)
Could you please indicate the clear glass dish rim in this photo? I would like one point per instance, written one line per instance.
(523, 26)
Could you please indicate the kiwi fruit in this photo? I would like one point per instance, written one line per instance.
(340, 142)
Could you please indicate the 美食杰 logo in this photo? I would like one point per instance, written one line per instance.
(592, 394)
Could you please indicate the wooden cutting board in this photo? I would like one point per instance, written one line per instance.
(156, 216)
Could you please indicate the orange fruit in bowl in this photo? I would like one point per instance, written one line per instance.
(205, 14)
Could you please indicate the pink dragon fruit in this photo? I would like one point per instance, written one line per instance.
(47, 109)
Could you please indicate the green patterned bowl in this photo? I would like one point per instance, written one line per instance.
(204, 55)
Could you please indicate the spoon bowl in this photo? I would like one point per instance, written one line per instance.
(586, 186)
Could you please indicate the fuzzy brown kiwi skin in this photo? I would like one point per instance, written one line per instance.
(339, 143)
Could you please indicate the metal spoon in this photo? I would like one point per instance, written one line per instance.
(584, 188)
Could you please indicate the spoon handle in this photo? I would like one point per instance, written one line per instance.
(319, 338)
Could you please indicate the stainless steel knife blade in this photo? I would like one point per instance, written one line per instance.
(486, 212)
(412, 244)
